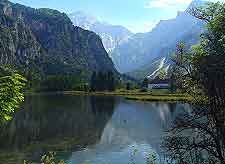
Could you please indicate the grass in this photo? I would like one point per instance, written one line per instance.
(120, 92)
(162, 98)
(156, 95)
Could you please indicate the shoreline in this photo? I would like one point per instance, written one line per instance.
(141, 96)
(160, 98)
(131, 95)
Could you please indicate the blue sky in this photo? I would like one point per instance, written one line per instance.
(136, 15)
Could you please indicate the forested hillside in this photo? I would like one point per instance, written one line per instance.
(42, 42)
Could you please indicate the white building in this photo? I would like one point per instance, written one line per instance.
(159, 84)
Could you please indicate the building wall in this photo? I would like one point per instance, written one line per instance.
(157, 86)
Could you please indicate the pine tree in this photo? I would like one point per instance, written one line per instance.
(145, 83)
(94, 81)
(111, 81)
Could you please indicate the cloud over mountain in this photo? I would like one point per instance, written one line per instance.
(165, 3)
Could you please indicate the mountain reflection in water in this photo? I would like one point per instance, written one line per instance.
(88, 129)
(134, 126)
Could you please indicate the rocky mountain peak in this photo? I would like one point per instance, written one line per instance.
(146, 48)
(196, 3)
(111, 35)
(5, 7)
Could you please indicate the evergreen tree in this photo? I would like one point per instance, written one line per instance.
(94, 81)
(145, 83)
(111, 81)
(102, 81)
(128, 86)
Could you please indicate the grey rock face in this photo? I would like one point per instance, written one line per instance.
(48, 39)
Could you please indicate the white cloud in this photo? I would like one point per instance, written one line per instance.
(142, 26)
(166, 3)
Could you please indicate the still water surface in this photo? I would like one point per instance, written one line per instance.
(87, 129)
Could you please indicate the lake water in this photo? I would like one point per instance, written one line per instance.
(87, 129)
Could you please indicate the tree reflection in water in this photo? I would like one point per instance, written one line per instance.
(195, 138)
(55, 122)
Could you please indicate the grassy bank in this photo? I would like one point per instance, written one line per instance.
(120, 92)
(155, 95)
(162, 98)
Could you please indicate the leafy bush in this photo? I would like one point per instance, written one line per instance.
(49, 158)
(11, 96)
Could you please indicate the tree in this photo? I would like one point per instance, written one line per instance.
(210, 62)
(111, 82)
(94, 81)
(49, 158)
(128, 86)
(100, 83)
(206, 71)
(162, 74)
(63, 83)
(183, 74)
(172, 80)
(194, 139)
(145, 83)
(103, 81)
(11, 96)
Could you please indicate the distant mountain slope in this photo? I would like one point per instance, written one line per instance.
(46, 40)
(142, 49)
(111, 35)
(151, 70)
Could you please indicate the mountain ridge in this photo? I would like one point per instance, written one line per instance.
(144, 48)
(111, 35)
(47, 39)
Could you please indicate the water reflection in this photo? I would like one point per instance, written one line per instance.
(133, 126)
(51, 122)
(88, 128)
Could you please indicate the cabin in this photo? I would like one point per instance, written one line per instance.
(159, 84)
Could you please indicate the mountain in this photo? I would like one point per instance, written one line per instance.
(46, 41)
(151, 70)
(111, 35)
(146, 48)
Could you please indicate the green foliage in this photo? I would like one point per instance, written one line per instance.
(206, 73)
(45, 42)
(212, 41)
(208, 58)
(103, 81)
(193, 68)
(145, 83)
(63, 83)
(172, 79)
(181, 69)
(151, 157)
(49, 158)
(162, 73)
(11, 96)
(128, 86)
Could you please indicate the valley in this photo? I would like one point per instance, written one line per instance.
(79, 88)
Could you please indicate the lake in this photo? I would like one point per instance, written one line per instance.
(87, 129)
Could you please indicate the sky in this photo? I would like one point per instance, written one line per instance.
(136, 15)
